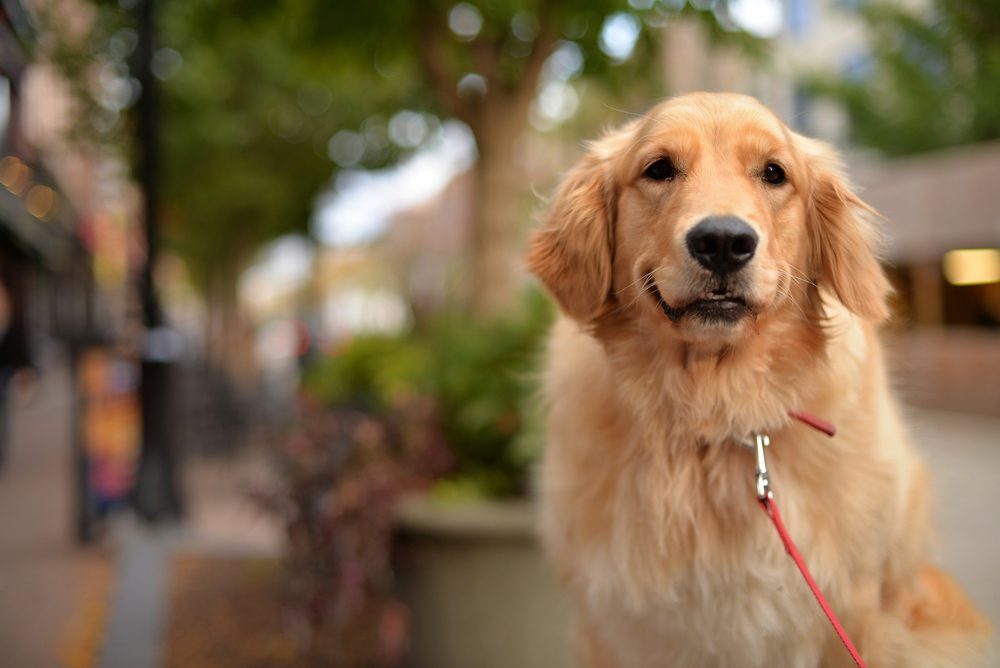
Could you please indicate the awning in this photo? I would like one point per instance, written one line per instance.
(936, 202)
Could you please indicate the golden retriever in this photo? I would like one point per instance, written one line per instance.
(714, 271)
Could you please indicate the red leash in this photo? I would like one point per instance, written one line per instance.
(772, 511)
(766, 498)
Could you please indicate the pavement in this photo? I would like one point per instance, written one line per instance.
(63, 605)
(51, 592)
(963, 452)
(103, 606)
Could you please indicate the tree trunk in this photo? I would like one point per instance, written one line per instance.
(497, 223)
(228, 339)
(498, 119)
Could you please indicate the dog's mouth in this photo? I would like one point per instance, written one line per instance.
(717, 305)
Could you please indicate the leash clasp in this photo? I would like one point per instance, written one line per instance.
(758, 442)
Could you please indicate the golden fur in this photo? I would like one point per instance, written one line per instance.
(648, 504)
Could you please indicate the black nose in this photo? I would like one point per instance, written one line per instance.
(722, 244)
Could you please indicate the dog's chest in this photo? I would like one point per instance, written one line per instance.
(744, 608)
(689, 572)
(755, 618)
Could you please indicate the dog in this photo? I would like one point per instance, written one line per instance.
(715, 272)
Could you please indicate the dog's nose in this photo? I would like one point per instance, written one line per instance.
(722, 244)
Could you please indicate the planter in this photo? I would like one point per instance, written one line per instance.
(478, 587)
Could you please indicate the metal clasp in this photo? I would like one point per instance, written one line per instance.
(758, 442)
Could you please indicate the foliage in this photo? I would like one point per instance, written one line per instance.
(80, 59)
(246, 120)
(933, 79)
(414, 53)
(371, 373)
(246, 111)
(343, 472)
(507, 50)
(484, 379)
(480, 376)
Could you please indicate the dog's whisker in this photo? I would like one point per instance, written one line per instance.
(647, 283)
(784, 293)
(790, 272)
(645, 279)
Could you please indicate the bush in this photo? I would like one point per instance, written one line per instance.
(382, 417)
(480, 376)
(371, 373)
(344, 470)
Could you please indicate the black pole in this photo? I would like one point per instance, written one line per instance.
(157, 495)
(146, 128)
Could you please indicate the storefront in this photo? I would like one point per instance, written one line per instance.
(942, 225)
(47, 299)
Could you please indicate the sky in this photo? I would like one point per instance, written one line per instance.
(363, 203)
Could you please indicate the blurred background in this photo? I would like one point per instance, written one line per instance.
(267, 349)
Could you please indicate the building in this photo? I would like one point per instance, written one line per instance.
(43, 265)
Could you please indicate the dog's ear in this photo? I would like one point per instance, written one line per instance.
(843, 237)
(572, 252)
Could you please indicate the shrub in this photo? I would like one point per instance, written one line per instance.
(379, 418)
(480, 376)
(344, 470)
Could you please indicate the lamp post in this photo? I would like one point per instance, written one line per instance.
(157, 496)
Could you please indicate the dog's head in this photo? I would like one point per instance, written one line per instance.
(706, 215)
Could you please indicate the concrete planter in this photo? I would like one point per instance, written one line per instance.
(478, 587)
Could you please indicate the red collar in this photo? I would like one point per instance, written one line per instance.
(819, 424)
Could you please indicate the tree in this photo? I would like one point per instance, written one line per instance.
(241, 163)
(254, 90)
(932, 79)
(482, 63)
(242, 160)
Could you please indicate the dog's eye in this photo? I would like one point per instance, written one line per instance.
(661, 170)
(774, 174)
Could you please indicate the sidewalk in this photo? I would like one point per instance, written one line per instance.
(52, 594)
(66, 606)
(963, 452)
(221, 522)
